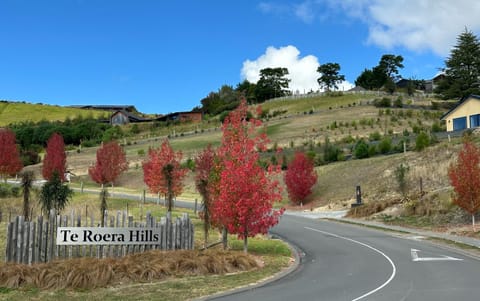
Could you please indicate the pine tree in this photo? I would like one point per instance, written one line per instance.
(462, 68)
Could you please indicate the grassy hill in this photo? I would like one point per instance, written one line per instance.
(15, 112)
(342, 119)
(301, 124)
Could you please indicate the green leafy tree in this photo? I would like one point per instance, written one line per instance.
(272, 83)
(246, 90)
(361, 149)
(385, 73)
(330, 77)
(422, 141)
(389, 65)
(462, 68)
(401, 173)
(54, 194)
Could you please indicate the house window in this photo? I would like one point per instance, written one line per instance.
(459, 123)
(475, 121)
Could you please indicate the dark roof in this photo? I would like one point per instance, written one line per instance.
(464, 99)
(174, 115)
(106, 107)
(131, 117)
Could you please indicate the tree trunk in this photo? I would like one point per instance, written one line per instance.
(473, 222)
(224, 238)
(245, 244)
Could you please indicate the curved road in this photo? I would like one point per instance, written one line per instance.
(347, 262)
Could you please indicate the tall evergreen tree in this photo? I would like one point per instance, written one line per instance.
(462, 68)
(330, 77)
(272, 83)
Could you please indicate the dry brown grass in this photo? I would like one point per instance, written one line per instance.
(89, 273)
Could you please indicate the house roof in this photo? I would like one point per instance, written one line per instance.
(131, 117)
(461, 102)
(105, 107)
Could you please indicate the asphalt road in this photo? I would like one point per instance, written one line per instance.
(346, 262)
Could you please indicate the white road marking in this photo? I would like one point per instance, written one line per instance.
(414, 253)
(394, 269)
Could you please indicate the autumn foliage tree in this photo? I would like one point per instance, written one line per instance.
(464, 176)
(55, 158)
(244, 202)
(10, 162)
(300, 178)
(163, 173)
(204, 168)
(111, 163)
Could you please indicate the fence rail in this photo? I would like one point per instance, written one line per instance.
(35, 241)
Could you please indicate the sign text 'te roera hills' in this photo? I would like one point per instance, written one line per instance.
(108, 236)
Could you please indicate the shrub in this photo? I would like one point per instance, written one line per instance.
(385, 102)
(375, 136)
(385, 146)
(361, 149)
(422, 141)
(401, 176)
(398, 102)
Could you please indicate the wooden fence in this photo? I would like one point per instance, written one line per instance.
(35, 241)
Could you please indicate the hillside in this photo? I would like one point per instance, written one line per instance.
(16, 112)
(342, 119)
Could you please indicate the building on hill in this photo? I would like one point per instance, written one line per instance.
(182, 117)
(465, 115)
(123, 117)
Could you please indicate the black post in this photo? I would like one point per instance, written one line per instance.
(359, 195)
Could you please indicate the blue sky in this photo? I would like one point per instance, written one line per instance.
(165, 56)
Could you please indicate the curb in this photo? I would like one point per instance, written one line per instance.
(293, 267)
(451, 245)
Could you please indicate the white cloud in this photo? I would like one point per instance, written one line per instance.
(416, 25)
(302, 70)
(423, 25)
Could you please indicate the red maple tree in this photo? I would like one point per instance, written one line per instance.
(204, 168)
(464, 176)
(10, 162)
(111, 162)
(244, 199)
(163, 173)
(300, 177)
(55, 158)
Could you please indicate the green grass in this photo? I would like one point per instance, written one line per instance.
(15, 112)
(315, 103)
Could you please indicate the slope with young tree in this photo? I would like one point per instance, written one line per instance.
(10, 162)
(163, 173)
(204, 167)
(462, 68)
(55, 158)
(246, 192)
(111, 162)
(330, 77)
(300, 178)
(464, 176)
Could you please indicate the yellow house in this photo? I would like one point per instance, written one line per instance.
(465, 115)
